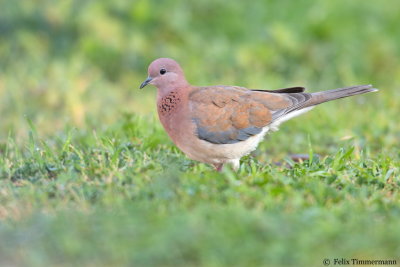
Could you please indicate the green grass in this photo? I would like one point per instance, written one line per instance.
(88, 176)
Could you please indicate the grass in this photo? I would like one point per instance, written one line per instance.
(88, 176)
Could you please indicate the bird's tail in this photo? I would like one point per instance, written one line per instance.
(325, 96)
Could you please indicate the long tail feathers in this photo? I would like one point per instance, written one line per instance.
(305, 101)
(325, 96)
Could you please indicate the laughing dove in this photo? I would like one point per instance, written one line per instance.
(221, 124)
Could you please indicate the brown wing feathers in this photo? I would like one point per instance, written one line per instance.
(226, 115)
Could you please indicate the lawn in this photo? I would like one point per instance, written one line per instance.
(88, 177)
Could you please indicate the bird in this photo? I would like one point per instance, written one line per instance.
(220, 124)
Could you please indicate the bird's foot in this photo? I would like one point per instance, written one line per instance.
(218, 167)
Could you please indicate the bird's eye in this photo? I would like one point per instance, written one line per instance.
(163, 71)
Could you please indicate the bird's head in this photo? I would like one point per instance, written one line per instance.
(165, 73)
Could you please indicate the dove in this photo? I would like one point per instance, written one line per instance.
(220, 124)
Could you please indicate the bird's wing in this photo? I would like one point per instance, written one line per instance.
(229, 114)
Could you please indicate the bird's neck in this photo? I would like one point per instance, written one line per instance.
(180, 86)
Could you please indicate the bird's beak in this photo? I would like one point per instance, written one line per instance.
(146, 82)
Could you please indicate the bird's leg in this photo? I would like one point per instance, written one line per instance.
(218, 167)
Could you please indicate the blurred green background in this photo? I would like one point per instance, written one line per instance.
(80, 62)
(88, 177)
